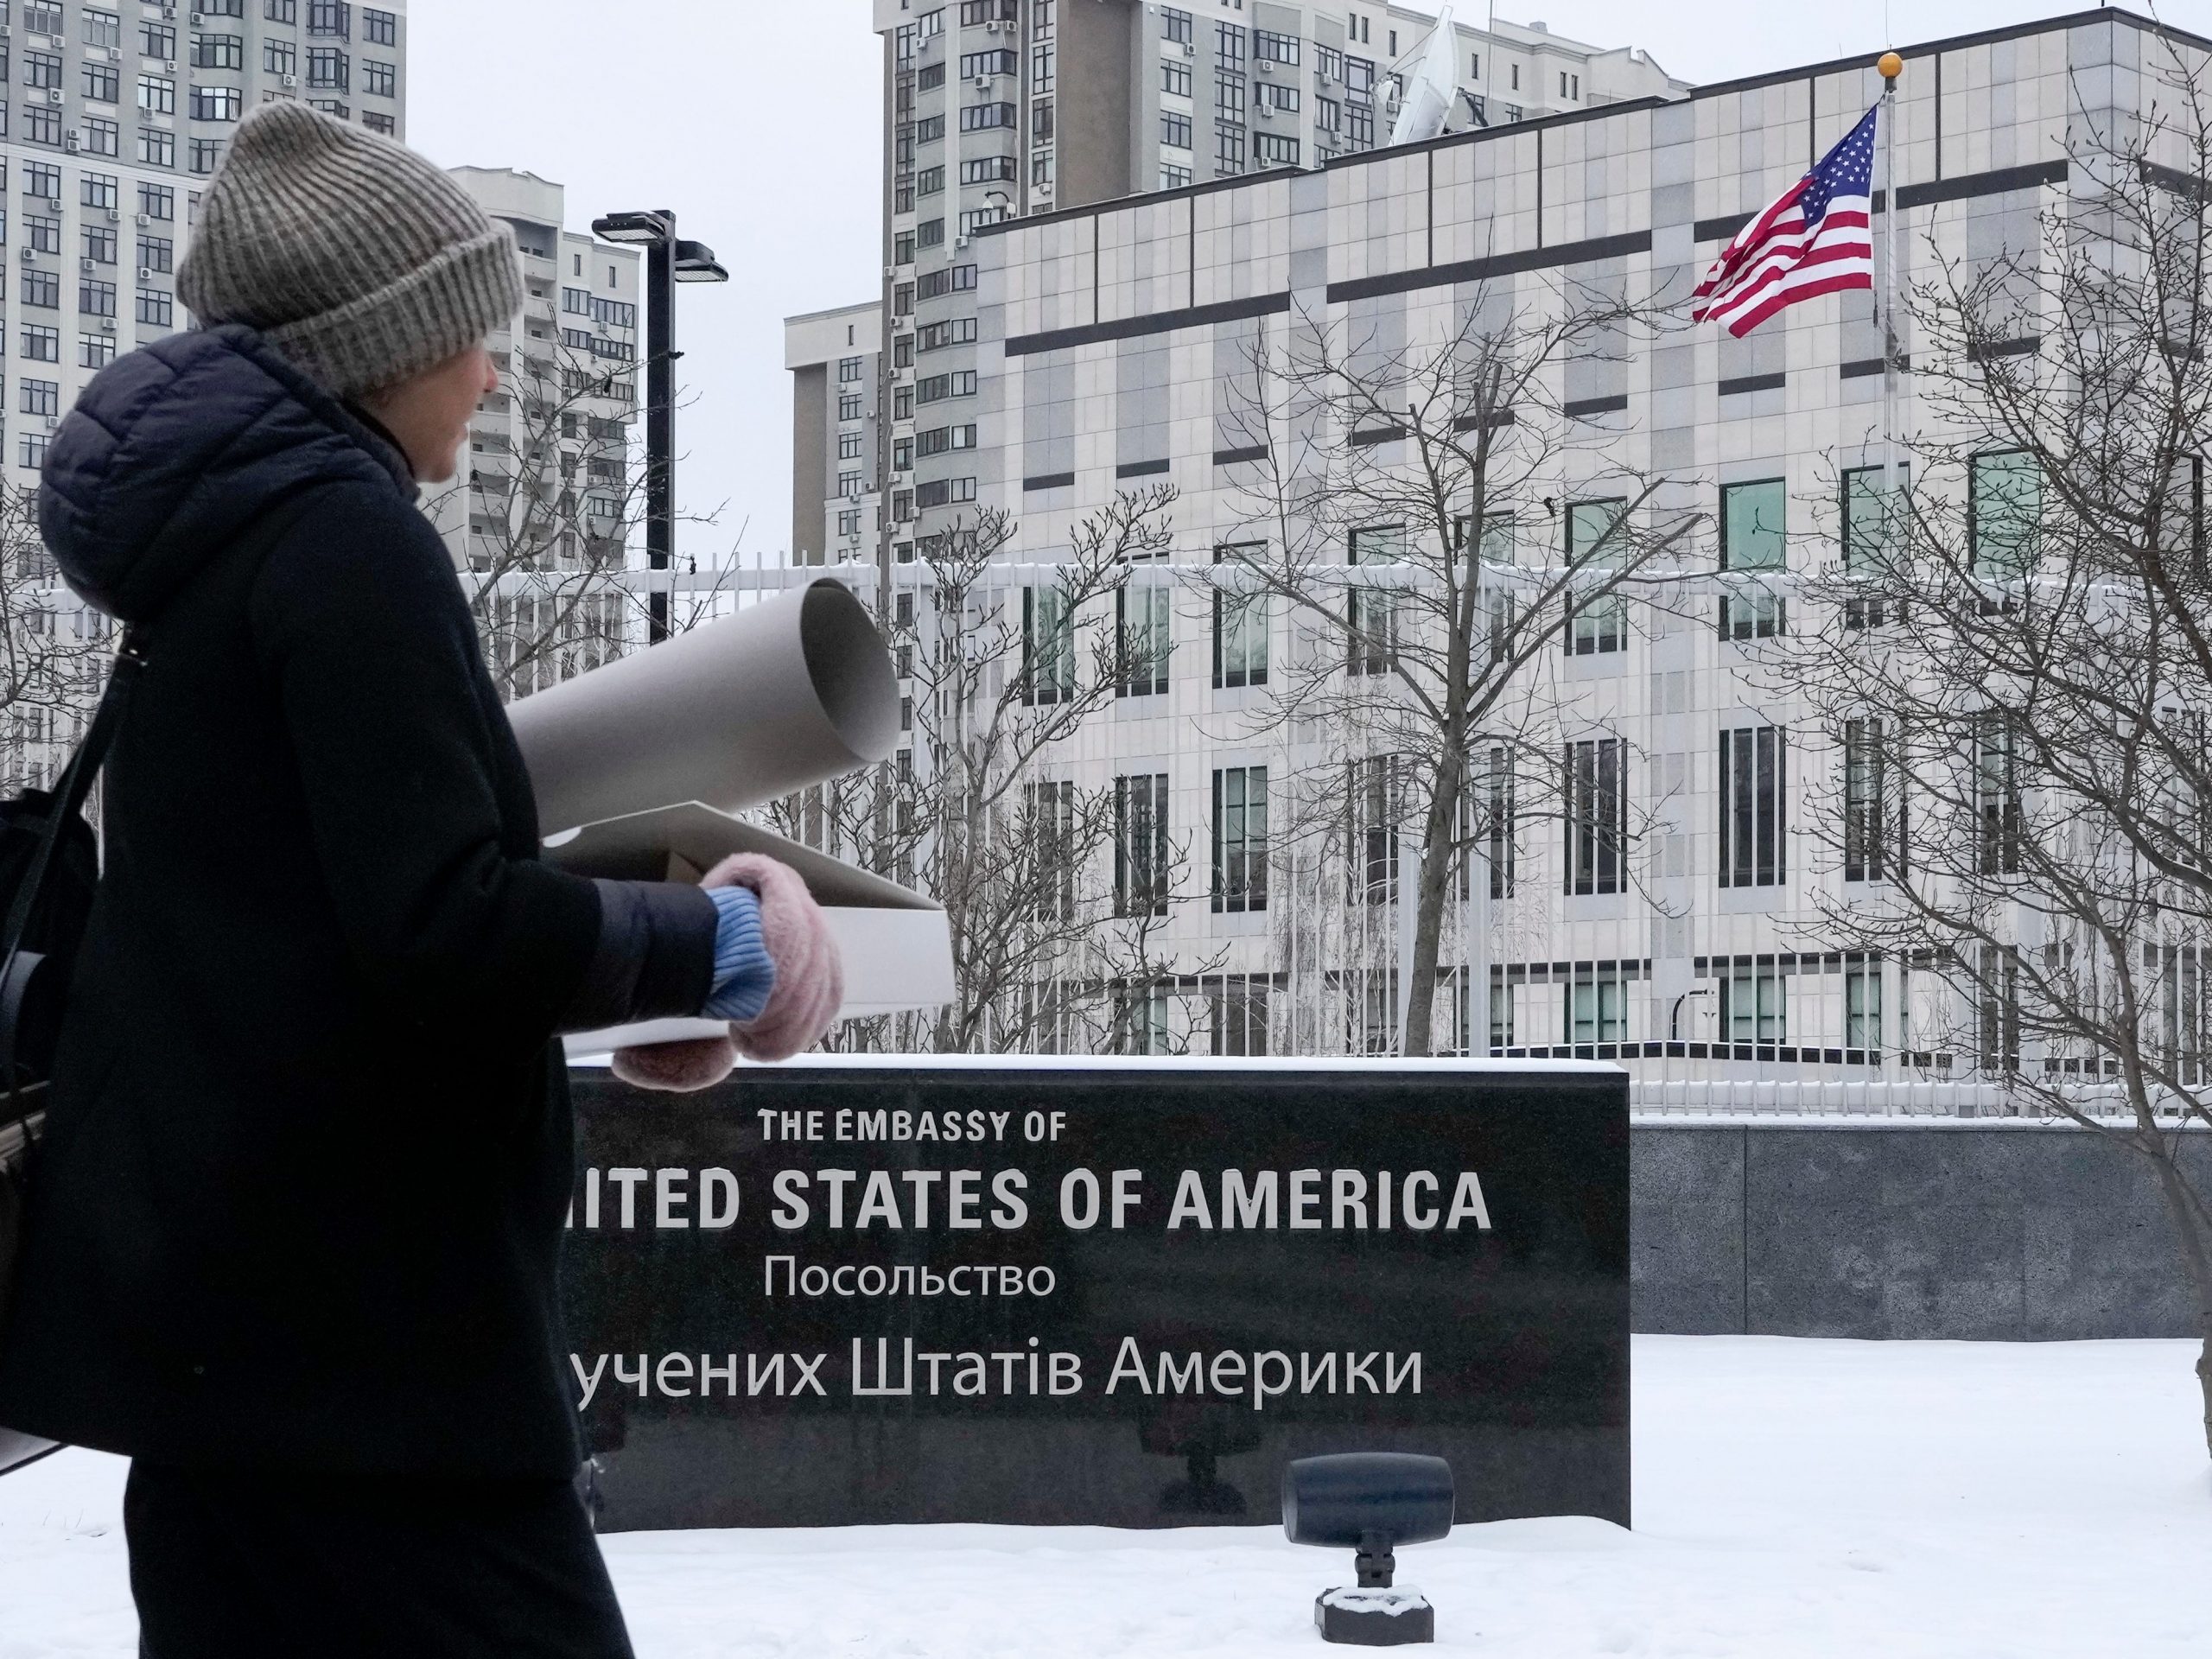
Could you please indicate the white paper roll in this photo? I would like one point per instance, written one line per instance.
(782, 695)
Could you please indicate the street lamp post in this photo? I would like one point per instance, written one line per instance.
(668, 262)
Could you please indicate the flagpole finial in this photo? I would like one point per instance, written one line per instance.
(1890, 65)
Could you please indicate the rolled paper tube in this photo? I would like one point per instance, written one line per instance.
(781, 696)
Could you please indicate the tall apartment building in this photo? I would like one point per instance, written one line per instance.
(1098, 335)
(112, 117)
(836, 359)
(997, 109)
(543, 511)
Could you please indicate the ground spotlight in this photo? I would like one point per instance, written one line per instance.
(1370, 1501)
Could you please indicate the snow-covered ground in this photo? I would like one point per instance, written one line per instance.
(1793, 1500)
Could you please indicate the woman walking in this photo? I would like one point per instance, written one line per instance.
(296, 1222)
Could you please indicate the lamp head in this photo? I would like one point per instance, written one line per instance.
(1357, 1500)
(633, 227)
(695, 263)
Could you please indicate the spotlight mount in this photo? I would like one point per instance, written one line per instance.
(1369, 1502)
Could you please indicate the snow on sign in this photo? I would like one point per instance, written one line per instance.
(1110, 1292)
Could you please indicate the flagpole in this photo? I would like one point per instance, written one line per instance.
(1890, 65)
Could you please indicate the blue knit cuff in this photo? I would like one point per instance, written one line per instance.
(744, 977)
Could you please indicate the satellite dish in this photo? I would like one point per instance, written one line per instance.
(1431, 87)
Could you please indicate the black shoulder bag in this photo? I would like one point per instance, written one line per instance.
(49, 866)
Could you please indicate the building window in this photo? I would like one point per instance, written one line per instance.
(221, 7)
(330, 17)
(1597, 1005)
(157, 94)
(1996, 1007)
(1174, 129)
(1498, 823)
(1371, 613)
(380, 121)
(158, 201)
(1754, 762)
(103, 137)
(1047, 645)
(42, 125)
(102, 27)
(99, 244)
(1596, 799)
(1237, 1006)
(379, 78)
(848, 406)
(44, 234)
(982, 65)
(158, 41)
(1865, 806)
(1240, 838)
(380, 27)
(32, 451)
(43, 289)
(1372, 795)
(42, 69)
(94, 298)
(1268, 47)
(1175, 80)
(1996, 794)
(1276, 99)
(102, 83)
(280, 57)
(1228, 95)
(1271, 149)
(848, 446)
(1862, 1005)
(953, 279)
(1601, 623)
(1174, 178)
(1141, 614)
(1753, 1004)
(1359, 126)
(1239, 626)
(1140, 844)
(982, 118)
(95, 350)
(2004, 512)
(329, 69)
(155, 309)
(41, 342)
(41, 397)
(1228, 148)
(101, 190)
(930, 233)
(157, 147)
(848, 370)
(216, 103)
(1753, 536)
(1176, 26)
(218, 51)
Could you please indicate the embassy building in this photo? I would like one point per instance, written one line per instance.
(1109, 342)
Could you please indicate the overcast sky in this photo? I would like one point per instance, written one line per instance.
(756, 120)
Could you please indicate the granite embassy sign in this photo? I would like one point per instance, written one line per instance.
(1113, 1292)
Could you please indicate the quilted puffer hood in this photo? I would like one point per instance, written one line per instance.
(174, 450)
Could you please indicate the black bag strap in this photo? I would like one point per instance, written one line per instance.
(62, 807)
(68, 800)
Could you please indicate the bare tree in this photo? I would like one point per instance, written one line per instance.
(1404, 503)
(549, 511)
(1006, 663)
(2013, 679)
(54, 652)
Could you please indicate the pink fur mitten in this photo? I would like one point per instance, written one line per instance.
(809, 975)
(809, 987)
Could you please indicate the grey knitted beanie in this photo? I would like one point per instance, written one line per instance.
(359, 260)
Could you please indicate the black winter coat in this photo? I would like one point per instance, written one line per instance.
(308, 1156)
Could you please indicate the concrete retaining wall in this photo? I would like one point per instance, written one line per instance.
(1946, 1229)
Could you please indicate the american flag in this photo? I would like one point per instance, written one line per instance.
(1817, 237)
